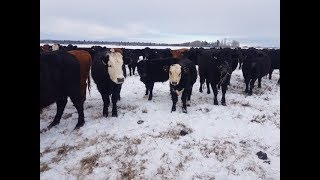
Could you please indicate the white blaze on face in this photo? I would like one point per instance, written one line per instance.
(140, 59)
(55, 47)
(115, 67)
(175, 74)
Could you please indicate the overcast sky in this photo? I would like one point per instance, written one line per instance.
(251, 22)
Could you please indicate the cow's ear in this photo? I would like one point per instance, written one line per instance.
(166, 68)
(185, 70)
(104, 59)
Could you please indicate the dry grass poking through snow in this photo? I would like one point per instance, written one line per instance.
(146, 141)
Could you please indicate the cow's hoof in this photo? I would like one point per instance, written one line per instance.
(215, 103)
(173, 109)
(79, 125)
(259, 86)
(223, 104)
(105, 115)
(208, 92)
(114, 115)
(250, 93)
(184, 110)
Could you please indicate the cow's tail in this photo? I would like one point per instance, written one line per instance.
(89, 85)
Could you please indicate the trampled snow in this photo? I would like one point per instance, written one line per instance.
(221, 143)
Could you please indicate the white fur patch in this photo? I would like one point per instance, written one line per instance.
(55, 47)
(115, 67)
(175, 73)
(179, 92)
(112, 50)
(140, 59)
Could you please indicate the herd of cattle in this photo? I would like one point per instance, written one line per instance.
(65, 72)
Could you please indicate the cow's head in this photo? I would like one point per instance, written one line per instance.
(114, 61)
(55, 47)
(175, 73)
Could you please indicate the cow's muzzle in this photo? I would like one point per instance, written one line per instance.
(120, 80)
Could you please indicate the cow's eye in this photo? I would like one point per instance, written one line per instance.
(179, 74)
(109, 65)
(170, 72)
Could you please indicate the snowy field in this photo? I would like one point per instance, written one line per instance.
(210, 142)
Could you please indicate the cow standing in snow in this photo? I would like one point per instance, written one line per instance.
(154, 70)
(255, 65)
(107, 72)
(182, 76)
(63, 75)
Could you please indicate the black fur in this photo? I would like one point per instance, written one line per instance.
(188, 78)
(105, 85)
(155, 70)
(216, 67)
(256, 64)
(60, 79)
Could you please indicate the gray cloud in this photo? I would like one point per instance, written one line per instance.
(252, 21)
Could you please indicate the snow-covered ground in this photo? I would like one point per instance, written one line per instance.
(221, 143)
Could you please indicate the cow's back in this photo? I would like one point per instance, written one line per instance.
(192, 69)
(59, 76)
(85, 61)
(155, 69)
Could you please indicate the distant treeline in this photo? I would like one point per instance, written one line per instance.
(196, 43)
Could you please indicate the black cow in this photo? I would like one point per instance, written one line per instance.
(107, 73)
(149, 53)
(217, 65)
(60, 79)
(155, 70)
(133, 58)
(274, 55)
(256, 64)
(203, 67)
(182, 76)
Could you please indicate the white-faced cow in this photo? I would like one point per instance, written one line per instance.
(182, 76)
(107, 72)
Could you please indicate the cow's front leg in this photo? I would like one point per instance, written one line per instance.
(184, 101)
(174, 98)
(114, 99)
